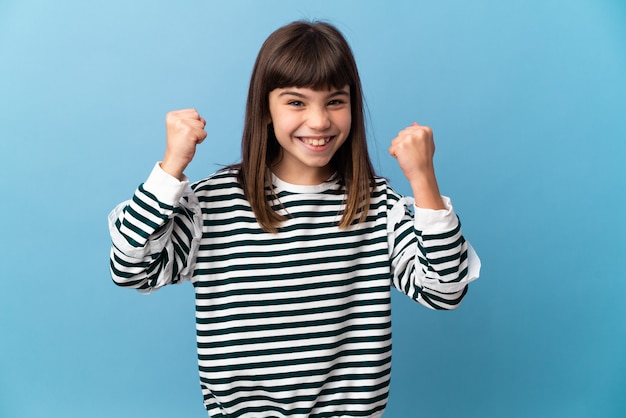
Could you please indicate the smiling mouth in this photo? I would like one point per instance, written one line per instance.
(315, 141)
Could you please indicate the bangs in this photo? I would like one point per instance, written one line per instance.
(311, 60)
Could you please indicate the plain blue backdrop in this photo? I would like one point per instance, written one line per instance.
(527, 100)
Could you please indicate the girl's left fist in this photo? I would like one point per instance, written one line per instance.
(414, 149)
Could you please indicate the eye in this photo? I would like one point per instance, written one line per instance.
(336, 102)
(296, 103)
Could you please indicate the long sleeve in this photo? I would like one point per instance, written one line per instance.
(431, 261)
(155, 235)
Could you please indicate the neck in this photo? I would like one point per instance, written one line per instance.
(309, 177)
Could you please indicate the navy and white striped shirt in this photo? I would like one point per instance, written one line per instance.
(297, 323)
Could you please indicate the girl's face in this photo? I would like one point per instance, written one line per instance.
(310, 125)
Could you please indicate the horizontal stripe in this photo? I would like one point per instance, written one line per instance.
(296, 322)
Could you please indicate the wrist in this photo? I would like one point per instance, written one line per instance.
(426, 192)
(172, 168)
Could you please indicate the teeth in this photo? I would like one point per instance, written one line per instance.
(315, 142)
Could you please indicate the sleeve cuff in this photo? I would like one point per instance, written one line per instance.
(167, 189)
(436, 221)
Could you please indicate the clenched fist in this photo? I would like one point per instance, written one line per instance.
(185, 130)
(414, 149)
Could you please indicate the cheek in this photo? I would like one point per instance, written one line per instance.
(286, 122)
(282, 128)
(347, 122)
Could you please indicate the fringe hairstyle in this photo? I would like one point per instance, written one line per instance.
(313, 55)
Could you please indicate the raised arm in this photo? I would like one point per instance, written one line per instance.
(431, 260)
(155, 235)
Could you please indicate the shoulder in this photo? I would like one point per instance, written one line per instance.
(383, 190)
(380, 182)
(224, 179)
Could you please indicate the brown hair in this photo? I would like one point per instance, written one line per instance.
(322, 50)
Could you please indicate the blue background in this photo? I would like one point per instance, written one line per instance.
(525, 99)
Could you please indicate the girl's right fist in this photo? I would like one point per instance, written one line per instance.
(185, 130)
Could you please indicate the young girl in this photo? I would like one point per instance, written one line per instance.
(293, 251)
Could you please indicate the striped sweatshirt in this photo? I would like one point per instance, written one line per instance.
(296, 323)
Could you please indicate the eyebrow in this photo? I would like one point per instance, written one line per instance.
(304, 96)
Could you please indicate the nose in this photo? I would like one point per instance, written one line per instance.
(318, 118)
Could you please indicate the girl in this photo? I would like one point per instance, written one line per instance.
(293, 251)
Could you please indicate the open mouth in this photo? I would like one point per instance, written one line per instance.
(315, 141)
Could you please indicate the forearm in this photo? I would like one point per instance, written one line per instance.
(433, 263)
(426, 191)
(152, 238)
